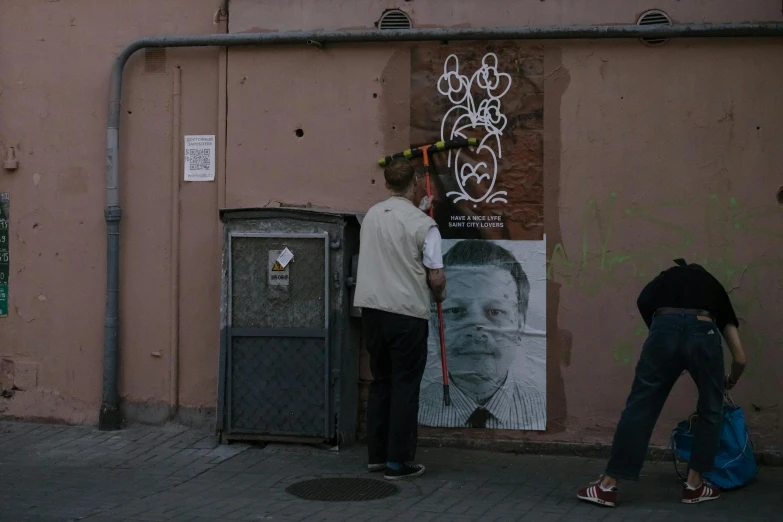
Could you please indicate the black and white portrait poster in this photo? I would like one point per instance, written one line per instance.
(489, 206)
(495, 330)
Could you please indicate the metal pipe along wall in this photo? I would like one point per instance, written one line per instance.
(176, 123)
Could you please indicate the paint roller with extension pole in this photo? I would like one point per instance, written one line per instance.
(424, 152)
(418, 152)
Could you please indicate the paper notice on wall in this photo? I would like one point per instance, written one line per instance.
(200, 158)
(285, 257)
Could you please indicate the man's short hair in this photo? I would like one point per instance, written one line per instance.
(481, 252)
(399, 174)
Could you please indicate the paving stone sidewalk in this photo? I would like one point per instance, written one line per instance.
(54, 473)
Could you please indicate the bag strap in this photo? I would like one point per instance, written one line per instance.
(673, 447)
(674, 459)
(727, 398)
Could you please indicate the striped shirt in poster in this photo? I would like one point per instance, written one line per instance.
(517, 405)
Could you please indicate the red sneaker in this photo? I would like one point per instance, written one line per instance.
(703, 493)
(595, 494)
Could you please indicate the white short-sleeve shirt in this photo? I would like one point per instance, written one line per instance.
(432, 254)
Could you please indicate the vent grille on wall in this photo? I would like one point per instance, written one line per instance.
(394, 19)
(654, 17)
(155, 60)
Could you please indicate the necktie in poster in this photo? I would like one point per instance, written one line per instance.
(488, 203)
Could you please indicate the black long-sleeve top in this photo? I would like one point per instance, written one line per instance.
(687, 286)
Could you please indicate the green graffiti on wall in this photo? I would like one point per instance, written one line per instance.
(710, 231)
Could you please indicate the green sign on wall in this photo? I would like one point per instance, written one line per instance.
(4, 261)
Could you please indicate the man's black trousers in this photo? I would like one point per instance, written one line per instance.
(398, 354)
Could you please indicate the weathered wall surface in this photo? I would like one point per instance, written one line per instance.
(269, 15)
(665, 154)
(55, 59)
(649, 154)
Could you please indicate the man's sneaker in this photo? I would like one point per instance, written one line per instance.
(703, 493)
(406, 471)
(372, 468)
(595, 494)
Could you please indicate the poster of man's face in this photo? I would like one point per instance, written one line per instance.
(494, 322)
(489, 207)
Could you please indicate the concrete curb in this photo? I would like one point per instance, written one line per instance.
(573, 449)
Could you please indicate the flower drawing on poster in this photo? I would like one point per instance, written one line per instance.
(468, 117)
(488, 205)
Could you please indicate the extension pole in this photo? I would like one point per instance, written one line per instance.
(441, 334)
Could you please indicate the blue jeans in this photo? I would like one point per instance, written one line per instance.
(675, 343)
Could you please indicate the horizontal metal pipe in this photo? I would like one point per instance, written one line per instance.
(109, 418)
(423, 35)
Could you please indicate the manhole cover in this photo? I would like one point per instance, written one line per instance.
(342, 489)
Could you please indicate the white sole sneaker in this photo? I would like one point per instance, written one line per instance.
(418, 473)
(596, 501)
(376, 467)
(698, 500)
(703, 493)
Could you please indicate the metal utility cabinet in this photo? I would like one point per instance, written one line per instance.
(289, 352)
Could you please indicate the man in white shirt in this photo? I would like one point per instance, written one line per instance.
(400, 263)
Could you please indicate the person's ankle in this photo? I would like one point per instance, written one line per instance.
(394, 465)
(608, 482)
(694, 480)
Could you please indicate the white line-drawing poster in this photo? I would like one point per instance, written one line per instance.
(490, 211)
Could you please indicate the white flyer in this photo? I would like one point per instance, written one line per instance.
(285, 257)
(200, 158)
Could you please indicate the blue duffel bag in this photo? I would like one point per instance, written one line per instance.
(735, 464)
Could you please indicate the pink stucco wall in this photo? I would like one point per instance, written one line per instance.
(650, 153)
(56, 59)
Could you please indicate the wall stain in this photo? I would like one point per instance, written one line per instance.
(393, 89)
(559, 342)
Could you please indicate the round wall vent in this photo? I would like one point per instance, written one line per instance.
(654, 17)
(394, 19)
